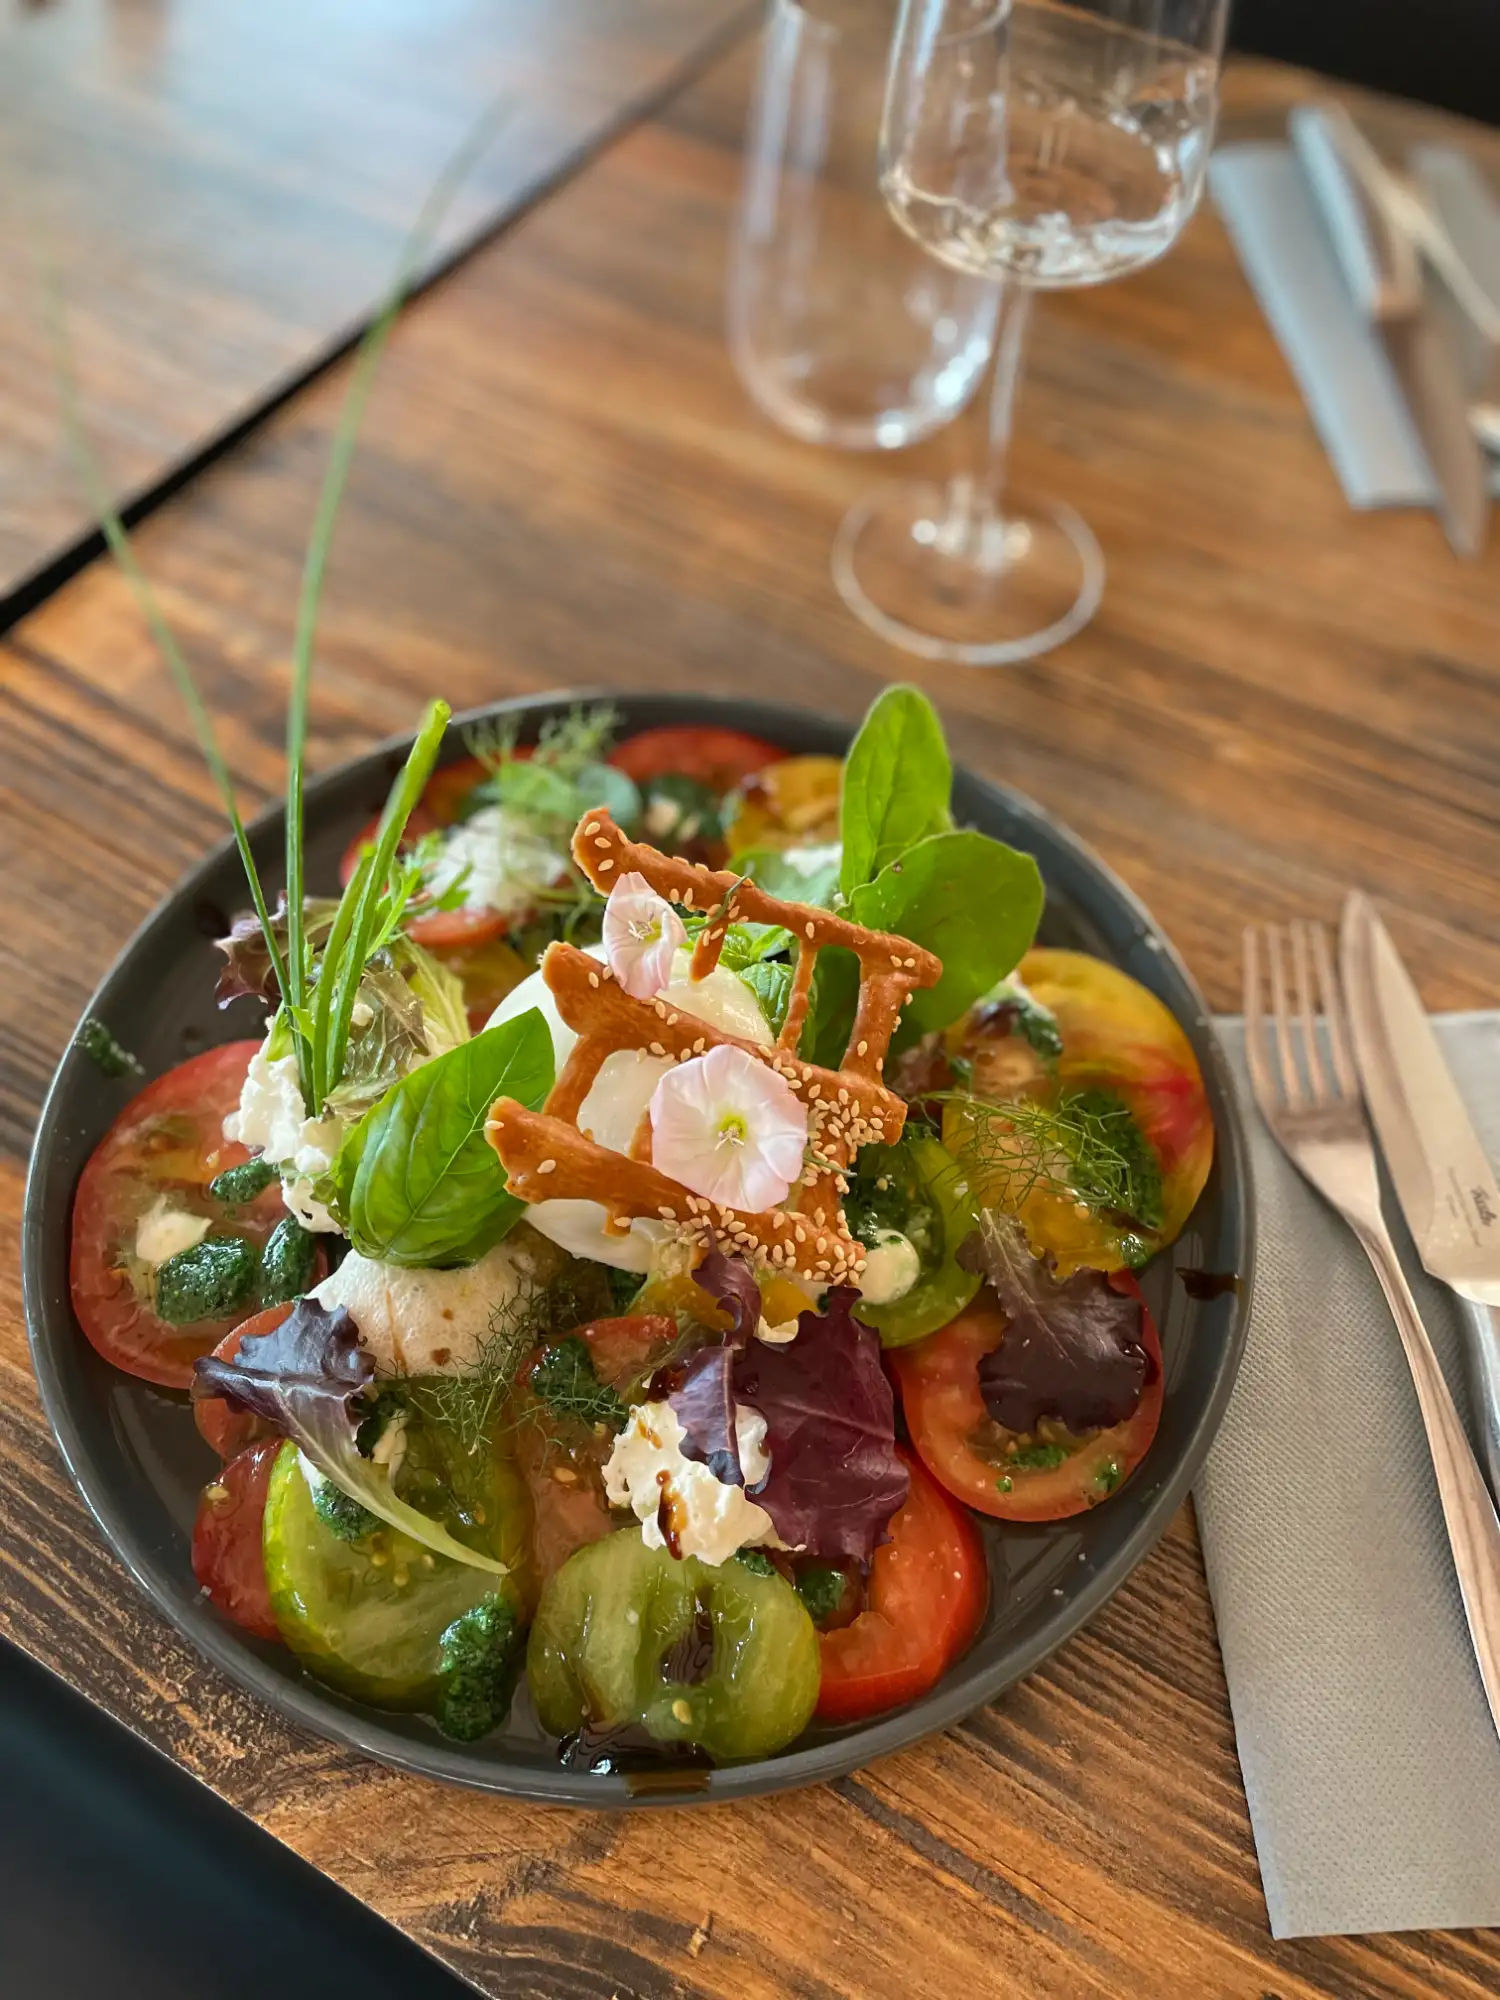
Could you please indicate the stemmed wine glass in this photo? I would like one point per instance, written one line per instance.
(1048, 147)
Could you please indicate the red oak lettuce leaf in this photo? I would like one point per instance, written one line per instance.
(700, 1392)
(1072, 1349)
(306, 1377)
(835, 1478)
(309, 1368)
(732, 1282)
(247, 966)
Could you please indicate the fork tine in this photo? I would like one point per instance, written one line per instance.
(1286, 1048)
(1333, 1009)
(1308, 1009)
(1261, 1080)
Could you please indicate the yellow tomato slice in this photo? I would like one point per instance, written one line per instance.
(1118, 1038)
(792, 803)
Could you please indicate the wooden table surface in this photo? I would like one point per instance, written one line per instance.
(562, 483)
(223, 190)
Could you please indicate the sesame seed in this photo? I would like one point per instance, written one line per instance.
(863, 1049)
(605, 866)
(593, 979)
(657, 1049)
(809, 929)
(592, 827)
(547, 1167)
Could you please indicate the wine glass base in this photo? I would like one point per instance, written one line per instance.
(935, 572)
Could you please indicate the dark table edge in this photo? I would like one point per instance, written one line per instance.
(40, 583)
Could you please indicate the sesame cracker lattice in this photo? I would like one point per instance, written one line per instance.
(545, 1154)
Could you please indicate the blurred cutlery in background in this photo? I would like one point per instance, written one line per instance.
(1372, 218)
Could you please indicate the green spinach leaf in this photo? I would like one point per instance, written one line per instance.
(972, 900)
(897, 783)
(796, 874)
(416, 1179)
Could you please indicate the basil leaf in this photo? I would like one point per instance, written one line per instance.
(830, 1007)
(897, 783)
(796, 874)
(770, 980)
(417, 1180)
(971, 900)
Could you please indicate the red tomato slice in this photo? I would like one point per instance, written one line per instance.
(168, 1140)
(228, 1557)
(228, 1430)
(718, 758)
(945, 1412)
(562, 1472)
(927, 1591)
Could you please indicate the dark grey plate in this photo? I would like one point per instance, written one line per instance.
(139, 1461)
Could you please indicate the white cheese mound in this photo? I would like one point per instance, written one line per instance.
(416, 1322)
(711, 1518)
(507, 862)
(892, 1267)
(163, 1231)
(272, 1120)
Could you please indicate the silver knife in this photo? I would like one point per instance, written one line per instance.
(1361, 206)
(1441, 1173)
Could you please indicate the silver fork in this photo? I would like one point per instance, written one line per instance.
(1312, 1103)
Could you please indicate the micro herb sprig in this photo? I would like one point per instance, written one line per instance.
(1085, 1146)
(372, 903)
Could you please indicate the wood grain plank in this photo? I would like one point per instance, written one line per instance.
(223, 191)
(563, 484)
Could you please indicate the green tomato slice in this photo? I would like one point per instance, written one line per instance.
(368, 1616)
(927, 1197)
(718, 1657)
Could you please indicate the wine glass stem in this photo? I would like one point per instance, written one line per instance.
(1005, 379)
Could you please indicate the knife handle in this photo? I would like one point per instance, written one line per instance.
(1468, 1511)
(1352, 188)
(1482, 1339)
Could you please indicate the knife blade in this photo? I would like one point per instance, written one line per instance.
(1438, 1167)
(1360, 204)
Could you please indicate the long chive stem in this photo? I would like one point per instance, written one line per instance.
(398, 810)
(333, 952)
(118, 541)
(335, 478)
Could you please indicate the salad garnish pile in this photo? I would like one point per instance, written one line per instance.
(657, 1271)
(653, 1207)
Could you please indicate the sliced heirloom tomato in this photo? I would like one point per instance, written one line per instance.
(1119, 1040)
(561, 1459)
(367, 1615)
(791, 803)
(167, 1142)
(228, 1539)
(717, 758)
(631, 1639)
(952, 1430)
(923, 1604)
